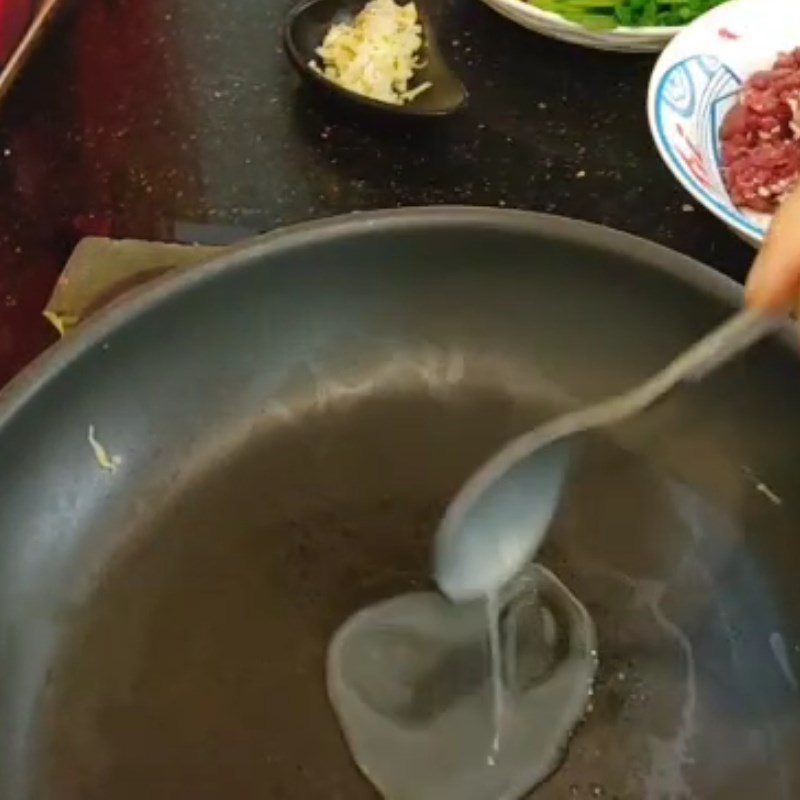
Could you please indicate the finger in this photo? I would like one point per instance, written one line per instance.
(774, 281)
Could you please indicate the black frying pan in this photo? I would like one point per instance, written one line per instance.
(292, 420)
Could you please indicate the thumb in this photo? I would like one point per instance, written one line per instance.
(774, 281)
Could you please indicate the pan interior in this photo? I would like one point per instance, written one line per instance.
(195, 666)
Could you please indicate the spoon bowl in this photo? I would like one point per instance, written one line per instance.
(305, 30)
(519, 506)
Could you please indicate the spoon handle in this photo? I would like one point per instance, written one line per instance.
(723, 343)
(712, 351)
(700, 359)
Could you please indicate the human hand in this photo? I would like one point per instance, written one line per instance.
(774, 281)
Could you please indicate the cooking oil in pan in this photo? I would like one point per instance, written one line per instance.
(429, 713)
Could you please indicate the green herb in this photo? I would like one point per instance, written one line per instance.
(606, 14)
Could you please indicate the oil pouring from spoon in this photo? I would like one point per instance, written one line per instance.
(496, 672)
(497, 522)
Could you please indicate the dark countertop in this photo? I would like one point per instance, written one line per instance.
(182, 119)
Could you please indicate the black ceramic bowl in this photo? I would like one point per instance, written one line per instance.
(305, 29)
(292, 420)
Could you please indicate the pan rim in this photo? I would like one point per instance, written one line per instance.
(34, 377)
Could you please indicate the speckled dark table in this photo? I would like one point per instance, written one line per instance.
(181, 119)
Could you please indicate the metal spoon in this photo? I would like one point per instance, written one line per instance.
(498, 520)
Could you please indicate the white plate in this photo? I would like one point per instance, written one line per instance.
(623, 40)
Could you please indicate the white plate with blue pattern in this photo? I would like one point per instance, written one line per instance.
(696, 82)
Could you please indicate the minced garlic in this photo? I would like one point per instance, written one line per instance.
(377, 54)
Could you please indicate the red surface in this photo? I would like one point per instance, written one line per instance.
(14, 18)
(68, 150)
